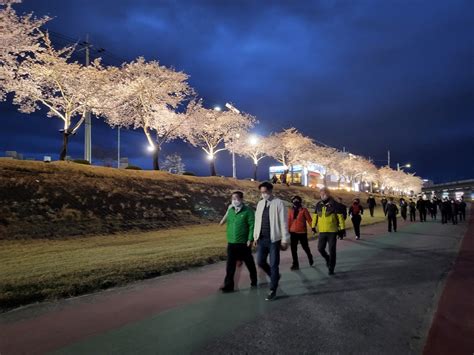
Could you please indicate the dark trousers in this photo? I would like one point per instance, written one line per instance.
(303, 239)
(356, 219)
(392, 221)
(455, 218)
(433, 214)
(371, 209)
(444, 217)
(237, 252)
(412, 216)
(422, 215)
(462, 215)
(404, 214)
(384, 210)
(329, 238)
(265, 248)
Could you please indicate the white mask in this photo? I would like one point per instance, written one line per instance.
(265, 196)
(236, 203)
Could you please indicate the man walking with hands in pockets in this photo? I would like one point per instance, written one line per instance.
(270, 234)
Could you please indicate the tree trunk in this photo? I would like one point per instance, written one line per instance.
(63, 154)
(255, 172)
(213, 167)
(156, 158)
(291, 179)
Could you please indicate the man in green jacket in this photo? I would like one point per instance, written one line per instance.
(240, 220)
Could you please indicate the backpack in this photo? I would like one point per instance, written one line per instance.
(355, 209)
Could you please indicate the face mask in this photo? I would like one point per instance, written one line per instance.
(265, 196)
(236, 203)
(296, 203)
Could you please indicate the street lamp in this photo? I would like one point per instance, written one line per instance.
(403, 166)
(150, 148)
(217, 108)
(253, 140)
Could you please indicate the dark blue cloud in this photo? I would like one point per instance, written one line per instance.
(367, 75)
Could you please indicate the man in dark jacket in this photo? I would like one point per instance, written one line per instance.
(454, 211)
(421, 207)
(371, 203)
(445, 211)
(462, 209)
(342, 210)
(434, 208)
(391, 211)
(412, 207)
(403, 208)
(384, 204)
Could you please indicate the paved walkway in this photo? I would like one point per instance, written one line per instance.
(381, 300)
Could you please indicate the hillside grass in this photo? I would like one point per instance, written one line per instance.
(45, 269)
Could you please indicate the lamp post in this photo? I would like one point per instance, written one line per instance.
(403, 166)
(253, 140)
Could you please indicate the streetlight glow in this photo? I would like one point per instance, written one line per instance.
(150, 148)
(210, 157)
(217, 108)
(253, 140)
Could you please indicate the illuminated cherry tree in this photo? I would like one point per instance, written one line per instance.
(211, 129)
(147, 96)
(20, 37)
(67, 90)
(254, 147)
(288, 148)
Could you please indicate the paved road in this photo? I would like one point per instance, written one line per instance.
(381, 300)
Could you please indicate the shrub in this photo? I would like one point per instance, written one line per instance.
(189, 173)
(81, 161)
(133, 167)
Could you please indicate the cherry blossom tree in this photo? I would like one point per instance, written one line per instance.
(211, 129)
(20, 37)
(288, 147)
(321, 155)
(254, 147)
(148, 96)
(68, 90)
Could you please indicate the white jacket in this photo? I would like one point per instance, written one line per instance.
(278, 220)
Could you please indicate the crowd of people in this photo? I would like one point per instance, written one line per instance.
(273, 227)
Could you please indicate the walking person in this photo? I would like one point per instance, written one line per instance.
(239, 221)
(462, 209)
(454, 211)
(403, 208)
(356, 211)
(445, 211)
(421, 207)
(342, 209)
(329, 221)
(384, 204)
(371, 203)
(298, 217)
(434, 208)
(391, 211)
(412, 207)
(270, 234)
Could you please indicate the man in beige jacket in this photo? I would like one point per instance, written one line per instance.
(270, 234)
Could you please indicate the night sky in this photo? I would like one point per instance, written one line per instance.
(366, 75)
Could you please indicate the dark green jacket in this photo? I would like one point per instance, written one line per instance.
(240, 225)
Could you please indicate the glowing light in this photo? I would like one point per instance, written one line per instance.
(150, 148)
(217, 108)
(210, 157)
(253, 140)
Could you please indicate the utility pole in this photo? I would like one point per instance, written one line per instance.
(87, 123)
(388, 158)
(398, 167)
(118, 148)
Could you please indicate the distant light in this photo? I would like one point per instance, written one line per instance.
(210, 157)
(150, 148)
(237, 135)
(217, 108)
(408, 165)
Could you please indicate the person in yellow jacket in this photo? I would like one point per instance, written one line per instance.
(329, 221)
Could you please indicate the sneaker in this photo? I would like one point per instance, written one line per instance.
(357, 238)
(294, 268)
(271, 296)
(226, 290)
(331, 272)
(253, 285)
(311, 262)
